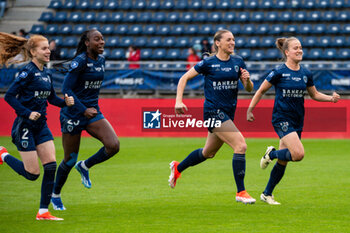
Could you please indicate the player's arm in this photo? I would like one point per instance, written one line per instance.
(318, 96)
(10, 98)
(69, 82)
(265, 86)
(245, 79)
(179, 105)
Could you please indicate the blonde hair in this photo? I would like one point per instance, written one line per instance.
(11, 46)
(282, 45)
(217, 37)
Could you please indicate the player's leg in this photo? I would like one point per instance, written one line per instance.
(103, 131)
(46, 153)
(229, 134)
(71, 145)
(212, 145)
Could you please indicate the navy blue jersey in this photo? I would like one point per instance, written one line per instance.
(31, 90)
(83, 82)
(290, 87)
(220, 81)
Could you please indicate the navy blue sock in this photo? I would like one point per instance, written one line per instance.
(238, 166)
(61, 176)
(47, 184)
(276, 175)
(18, 166)
(283, 154)
(194, 158)
(99, 157)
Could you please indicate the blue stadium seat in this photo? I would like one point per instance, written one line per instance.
(218, 27)
(337, 4)
(158, 54)
(69, 4)
(195, 5)
(37, 29)
(200, 17)
(173, 17)
(214, 17)
(144, 17)
(292, 29)
(107, 29)
(55, 4)
(262, 29)
(195, 40)
(173, 54)
(178, 29)
(319, 29)
(244, 53)
(125, 5)
(235, 29)
(309, 41)
(140, 41)
(323, 4)
(286, 16)
(272, 54)
(83, 5)
(140, 4)
(252, 4)
(257, 55)
(79, 29)
(135, 29)
(223, 5)
(300, 16)
(257, 16)
(229, 17)
(243, 17)
(97, 5)
(276, 29)
(46, 17)
(281, 4)
(146, 54)
(309, 4)
(75, 17)
(70, 41)
(339, 41)
(117, 54)
(153, 5)
(51, 29)
(112, 5)
(191, 29)
(64, 53)
(182, 42)
(130, 17)
(334, 29)
(150, 29)
(345, 28)
(238, 4)
(158, 17)
(154, 42)
(89, 17)
(252, 42)
(181, 5)
(163, 30)
(102, 17)
(296, 4)
(116, 17)
(93, 26)
(106, 53)
(122, 29)
(314, 54)
(305, 28)
(271, 16)
(248, 29)
(65, 29)
(314, 16)
(241, 42)
(60, 17)
(58, 40)
(167, 5)
(186, 17)
(344, 53)
(209, 5)
(184, 54)
(324, 41)
(330, 53)
(268, 41)
(267, 4)
(126, 41)
(112, 41)
(328, 16)
(169, 42)
(207, 29)
(343, 16)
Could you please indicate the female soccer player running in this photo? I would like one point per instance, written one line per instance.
(290, 80)
(83, 82)
(28, 95)
(221, 72)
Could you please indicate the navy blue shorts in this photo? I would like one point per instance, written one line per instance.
(27, 134)
(217, 115)
(284, 128)
(76, 126)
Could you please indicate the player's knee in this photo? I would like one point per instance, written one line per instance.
(209, 155)
(32, 176)
(71, 160)
(112, 148)
(241, 148)
(298, 155)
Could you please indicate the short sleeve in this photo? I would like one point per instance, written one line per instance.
(310, 80)
(201, 67)
(272, 77)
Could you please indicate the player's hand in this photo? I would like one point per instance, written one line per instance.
(90, 113)
(69, 100)
(250, 116)
(335, 97)
(180, 108)
(245, 76)
(34, 116)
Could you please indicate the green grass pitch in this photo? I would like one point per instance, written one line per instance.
(130, 192)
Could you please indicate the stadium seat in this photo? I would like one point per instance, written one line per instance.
(169, 41)
(271, 16)
(158, 17)
(241, 42)
(69, 4)
(229, 17)
(117, 54)
(328, 16)
(78, 29)
(102, 17)
(314, 54)
(46, 17)
(116, 17)
(75, 17)
(146, 54)
(252, 4)
(183, 54)
(97, 5)
(191, 29)
(122, 29)
(314, 16)
(70, 41)
(343, 16)
(112, 41)
(112, 5)
(286, 16)
(58, 40)
(153, 5)
(107, 29)
(178, 29)
(209, 5)
(167, 5)
(154, 42)
(223, 5)
(309, 41)
(276, 29)
(195, 40)
(64, 53)
(337, 4)
(300, 16)
(163, 30)
(330, 53)
(150, 29)
(345, 28)
(37, 29)
(292, 29)
(173, 17)
(207, 29)
(257, 55)
(89, 17)
(140, 41)
(249, 29)
(55, 4)
(200, 17)
(93, 26)
(173, 54)
(181, 5)
(214, 17)
(323, 4)
(319, 29)
(125, 5)
(252, 42)
(243, 17)
(144, 17)
(51, 29)
(305, 28)
(182, 42)
(106, 53)
(281, 4)
(262, 29)
(195, 5)
(60, 17)
(344, 53)
(268, 41)
(140, 4)
(158, 54)
(339, 41)
(309, 4)
(324, 41)
(126, 41)
(244, 53)
(334, 29)
(257, 16)
(135, 29)
(65, 29)
(218, 27)
(186, 17)
(130, 17)
(235, 29)
(83, 5)
(272, 54)
(267, 4)
(238, 4)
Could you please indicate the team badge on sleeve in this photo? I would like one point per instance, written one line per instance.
(74, 64)
(200, 63)
(23, 74)
(271, 74)
(236, 68)
(305, 78)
